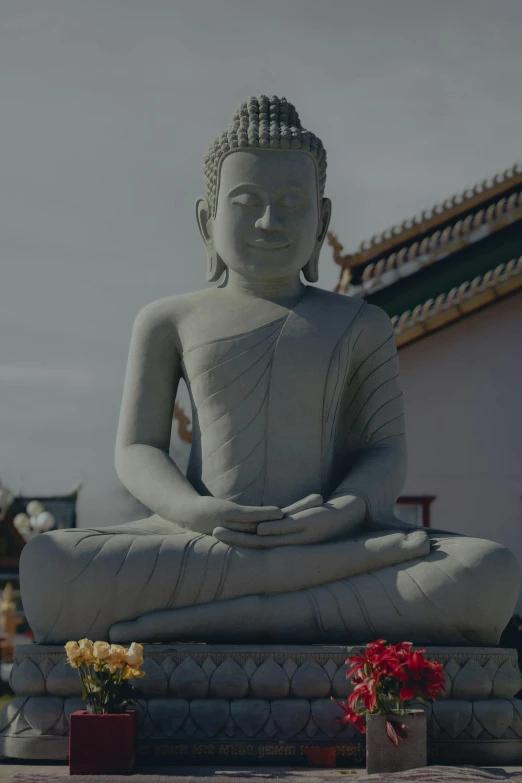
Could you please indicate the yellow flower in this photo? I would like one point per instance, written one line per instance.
(73, 651)
(86, 647)
(111, 667)
(134, 655)
(117, 655)
(101, 650)
(130, 673)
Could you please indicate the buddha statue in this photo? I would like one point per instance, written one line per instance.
(283, 528)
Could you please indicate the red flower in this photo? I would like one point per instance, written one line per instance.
(376, 662)
(395, 731)
(419, 676)
(403, 648)
(350, 717)
(365, 691)
(383, 672)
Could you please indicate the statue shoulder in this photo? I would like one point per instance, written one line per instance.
(374, 328)
(163, 317)
(357, 311)
(375, 318)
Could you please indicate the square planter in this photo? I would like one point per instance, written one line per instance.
(411, 753)
(101, 744)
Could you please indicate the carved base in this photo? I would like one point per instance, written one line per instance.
(263, 704)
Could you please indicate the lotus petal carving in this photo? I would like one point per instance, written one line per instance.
(188, 681)
(269, 681)
(472, 682)
(310, 681)
(250, 715)
(496, 715)
(42, 714)
(229, 681)
(453, 716)
(291, 715)
(210, 715)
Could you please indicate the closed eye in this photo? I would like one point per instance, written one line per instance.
(246, 200)
(292, 201)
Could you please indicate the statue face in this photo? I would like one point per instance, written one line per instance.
(267, 218)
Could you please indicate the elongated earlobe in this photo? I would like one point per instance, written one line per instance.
(311, 268)
(215, 267)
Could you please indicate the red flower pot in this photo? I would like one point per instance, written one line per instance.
(101, 744)
(321, 757)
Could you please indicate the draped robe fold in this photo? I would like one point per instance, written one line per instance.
(306, 403)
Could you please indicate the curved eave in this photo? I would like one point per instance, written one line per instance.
(437, 247)
(449, 211)
(429, 317)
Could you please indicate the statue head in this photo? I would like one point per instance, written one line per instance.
(265, 214)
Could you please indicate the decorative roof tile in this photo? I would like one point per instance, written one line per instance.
(453, 209)
(442, 243)
(458, 302)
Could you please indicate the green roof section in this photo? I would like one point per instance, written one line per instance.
(440, 277)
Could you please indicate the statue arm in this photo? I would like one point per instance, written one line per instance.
(143, 463)
(371, 426)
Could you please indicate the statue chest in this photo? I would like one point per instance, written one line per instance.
(259, 406)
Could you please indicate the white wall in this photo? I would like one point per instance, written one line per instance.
(463, 400)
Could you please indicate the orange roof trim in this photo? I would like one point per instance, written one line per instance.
(429, 219)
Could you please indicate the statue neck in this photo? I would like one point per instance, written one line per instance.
(285, 291)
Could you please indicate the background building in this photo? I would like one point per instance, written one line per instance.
(451, 280)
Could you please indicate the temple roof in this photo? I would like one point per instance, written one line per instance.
(450, 261)
(453, 209)
(461, 300)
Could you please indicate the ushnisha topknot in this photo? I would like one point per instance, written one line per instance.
(266, 122)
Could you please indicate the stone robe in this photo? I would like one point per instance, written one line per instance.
(306, 403)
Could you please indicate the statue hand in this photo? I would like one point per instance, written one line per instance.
(210, 512)
(331, 520)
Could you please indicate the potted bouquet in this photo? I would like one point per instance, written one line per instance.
(101, 737)
(387, 679)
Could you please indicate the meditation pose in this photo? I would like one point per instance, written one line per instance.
(283, 528)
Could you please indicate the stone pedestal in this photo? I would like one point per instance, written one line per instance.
(264, 704)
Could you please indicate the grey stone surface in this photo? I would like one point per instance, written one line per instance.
(244, 694)
(283, 528)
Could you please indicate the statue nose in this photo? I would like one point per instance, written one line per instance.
(269, 220)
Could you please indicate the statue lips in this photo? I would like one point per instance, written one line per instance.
(263, 244)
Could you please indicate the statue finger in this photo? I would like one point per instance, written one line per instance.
(256, 513)
(279, 528)
(287, 539)
(238, 538)
(243, 527)
(310, 501)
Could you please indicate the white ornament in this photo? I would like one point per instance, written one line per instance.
(43, 522)
(22, 523)
(34, 507)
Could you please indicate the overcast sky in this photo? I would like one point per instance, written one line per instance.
(107, 108)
